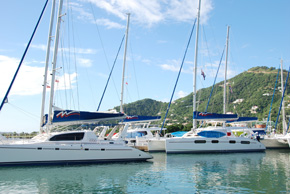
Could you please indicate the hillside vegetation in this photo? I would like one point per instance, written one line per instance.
(254, 88)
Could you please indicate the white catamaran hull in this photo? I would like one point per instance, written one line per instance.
(156, 145)
(39, 153)
(212, 145)
(274, 143)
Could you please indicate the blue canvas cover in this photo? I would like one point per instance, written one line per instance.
(73, 116)
(243, 119)
(137, 118)
(214, 116)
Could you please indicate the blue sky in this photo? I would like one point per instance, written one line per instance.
(159, 30)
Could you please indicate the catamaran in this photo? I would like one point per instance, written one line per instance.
(216, 139)
(70, 147)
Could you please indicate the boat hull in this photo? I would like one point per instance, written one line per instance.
(273, 143)
(156, 145)
(212, 145)
(41, 154)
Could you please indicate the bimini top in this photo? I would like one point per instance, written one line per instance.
(137, 118)
(64, 117)
(214, 116)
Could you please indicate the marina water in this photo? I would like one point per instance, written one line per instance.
(267, 172)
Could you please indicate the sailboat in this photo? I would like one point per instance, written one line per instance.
(212, 139)
(70, 147)
(139, 130)
(273, 140)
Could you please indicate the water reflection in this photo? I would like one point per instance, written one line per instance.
(267, 172)
(232, 173)
(104, 178)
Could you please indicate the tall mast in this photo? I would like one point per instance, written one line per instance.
(226, 66)
(54, 63)
(46, 64)
(194, 124)
(283, 106)
(124, 64)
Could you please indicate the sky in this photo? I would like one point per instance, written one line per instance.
(159, 30)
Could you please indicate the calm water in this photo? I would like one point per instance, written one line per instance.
(267, 172)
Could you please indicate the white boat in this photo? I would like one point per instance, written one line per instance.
(212, 141)
(288, 138)
(272, 140)
(70, 147)
(215, 139)
(140, 134)
(75, 147)
(275, 142)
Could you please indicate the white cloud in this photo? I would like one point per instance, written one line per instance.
(39, 46)
(81, 13)
(66, 81)
(76, 50)
(186, 10)
(109, 24)
(211, 70)
(29, 80)
(84, 62)
(181, 94)
(150, 12)
(103, 75)
(174, 65)
(170, 67)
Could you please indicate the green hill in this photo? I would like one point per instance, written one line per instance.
(251, 95)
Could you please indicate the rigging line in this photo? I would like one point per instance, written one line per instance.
(207, 47)
(282, 98)
(75, 66)
(128, 96)
(75, 63)
(68, 92)
(117, 93)
(5, 99)
(63, 71)
(24, 111)
(272, 98)
(215, 80)
(89, 84)
(135, 72)
(111, 72)
(178, 76)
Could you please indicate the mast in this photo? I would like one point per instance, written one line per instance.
(226, 66)
(46, 64)
(283, 106)
(54, 63)
(194, 124)
(124, 64)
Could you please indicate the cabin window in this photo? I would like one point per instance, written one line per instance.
(200, 141)
(245, 142)
(136, 134)
(232, 141)
(68, 137)
(215, 141)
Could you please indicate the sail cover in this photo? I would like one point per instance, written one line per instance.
(64, 117)
(243, 119)
(213, 116)
(138, 118)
